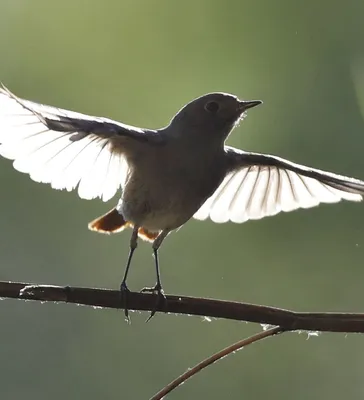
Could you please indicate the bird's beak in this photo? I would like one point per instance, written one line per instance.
(244, 105)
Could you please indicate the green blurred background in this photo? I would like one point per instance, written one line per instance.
(139, 62)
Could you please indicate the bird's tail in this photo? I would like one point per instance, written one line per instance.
(111, 222)
(146, 235)
(114, 222)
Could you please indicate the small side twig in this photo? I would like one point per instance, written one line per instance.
(215, 357)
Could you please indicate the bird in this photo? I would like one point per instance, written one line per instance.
(165, 176)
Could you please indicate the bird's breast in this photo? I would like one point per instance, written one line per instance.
(164, 190)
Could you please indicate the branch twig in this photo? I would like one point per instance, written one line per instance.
(287, 320)
(215, 357)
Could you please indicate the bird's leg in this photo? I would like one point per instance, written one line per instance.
(156, 244)
(124, 290)
(157, 289)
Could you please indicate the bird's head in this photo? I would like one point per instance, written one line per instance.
(212, 115)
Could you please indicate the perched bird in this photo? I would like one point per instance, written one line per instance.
(166, 176)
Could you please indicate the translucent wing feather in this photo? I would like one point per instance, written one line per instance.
(64, 148)
(258, 185)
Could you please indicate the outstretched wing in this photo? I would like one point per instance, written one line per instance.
(65, 148)
(259, 185)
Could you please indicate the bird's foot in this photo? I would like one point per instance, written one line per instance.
(161, 298)
(124, 293)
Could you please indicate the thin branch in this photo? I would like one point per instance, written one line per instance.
(215, 357)
(288, 320)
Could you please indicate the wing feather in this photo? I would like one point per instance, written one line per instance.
(259, 185)
(64, 148)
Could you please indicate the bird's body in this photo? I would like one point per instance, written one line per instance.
(163, 191)
(166, 176)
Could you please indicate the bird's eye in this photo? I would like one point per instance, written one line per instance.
(212, 107)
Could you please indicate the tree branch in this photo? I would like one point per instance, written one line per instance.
(287, 320)
(215, 357)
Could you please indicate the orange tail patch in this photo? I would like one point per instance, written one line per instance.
(146, 235)
(112, 222)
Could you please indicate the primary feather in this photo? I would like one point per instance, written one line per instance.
(64, 148)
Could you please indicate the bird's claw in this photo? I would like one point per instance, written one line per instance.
(157, 289)
(124, 292)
